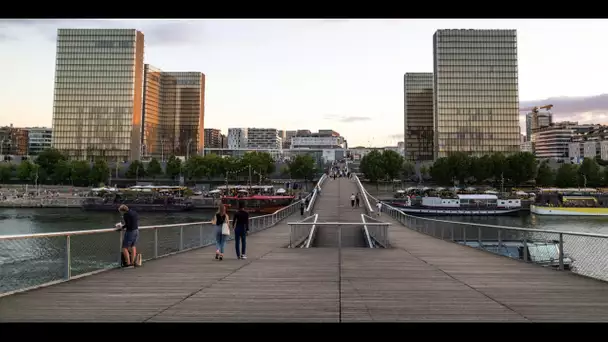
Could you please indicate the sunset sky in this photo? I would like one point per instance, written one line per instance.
(345, 75)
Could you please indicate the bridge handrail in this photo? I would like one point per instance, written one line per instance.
(299, 235)
(313, 230)
(314, 193)
(366, 232)
(36, 268)
(365, 194)
(579, 252)
(379, 233)
(107, 230)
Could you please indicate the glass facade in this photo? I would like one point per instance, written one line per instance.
(98, 93)
(418, 115)
(174, 104)
(476, 104)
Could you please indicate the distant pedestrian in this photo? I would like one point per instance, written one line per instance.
(241, 228)
(357, 199)
(222, 231)
(302, 207)
(379, 207)
(352, 200)
(129, 241)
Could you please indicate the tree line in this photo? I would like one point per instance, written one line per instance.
(53, 167)
(515, 169)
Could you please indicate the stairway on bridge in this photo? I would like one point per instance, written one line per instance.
(333, 205)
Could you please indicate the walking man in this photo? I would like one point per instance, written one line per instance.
(352, 200)
(301, 208)
(357, 200)
(379, 206)
(129, 241)
(241, 227)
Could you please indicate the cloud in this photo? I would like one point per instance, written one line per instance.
(584, 109)
(166, 32)
(346, 119)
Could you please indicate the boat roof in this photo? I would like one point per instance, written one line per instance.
(221, 187)
(258, 197)
(478, 196)
(567, 190)
(569, 198)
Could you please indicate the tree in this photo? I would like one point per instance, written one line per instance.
(408, 169)
(260, 162)
(544, 175)
(458, 163)
(440, 172)
(154, 168)
(6, 172)
(589, 173)
(100, 172)
(424, 171)
(26, 171)
(136, 170)
(62, 172)
(303, 166)
(173, 167)
(499, 165)
(196, 168)
(521, 167)
(392, 163)
(480, 168)
(372, 167)
(48, 160)
(80, 172)
(567, 176)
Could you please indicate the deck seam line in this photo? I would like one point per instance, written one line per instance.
(207, 286)
(465, 284)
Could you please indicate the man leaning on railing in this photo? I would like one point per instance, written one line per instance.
(131, 226)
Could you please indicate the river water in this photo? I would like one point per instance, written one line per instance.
(46, 220)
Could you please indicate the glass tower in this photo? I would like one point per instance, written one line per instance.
(97, 109)
(418, 115)
(476, 103)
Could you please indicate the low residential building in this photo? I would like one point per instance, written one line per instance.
(14, 141)
(288, 136)
(589, 144)
(213, 138)
(553, 142)
(224, 140)
(264, 138)
(237, 138)
(324, 139)
(39, 139)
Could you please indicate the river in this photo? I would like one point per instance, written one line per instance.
(46, 220)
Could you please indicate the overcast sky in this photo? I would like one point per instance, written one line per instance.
(346, 75)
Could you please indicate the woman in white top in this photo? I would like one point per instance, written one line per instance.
(379, 206)
(352, 200)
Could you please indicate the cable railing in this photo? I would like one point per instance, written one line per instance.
(30, 261)
(315, 193)
(581, 253)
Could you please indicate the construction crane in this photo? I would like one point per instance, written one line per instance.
(535, 109)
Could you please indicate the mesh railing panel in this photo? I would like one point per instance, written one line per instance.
(581, 253)
(93, 252)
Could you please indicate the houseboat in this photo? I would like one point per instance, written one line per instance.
(474, 204)
(259, 199)
(570, 202)
(139, 198)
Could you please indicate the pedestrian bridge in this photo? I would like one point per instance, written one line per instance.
(335, 263)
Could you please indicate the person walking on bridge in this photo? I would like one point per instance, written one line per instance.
(357, 199)
(241, 228)
(129, 240)
(222, 231)
(352, 200)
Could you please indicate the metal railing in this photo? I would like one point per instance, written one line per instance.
(315, 193)
(313, 231)
(30, 261)
(299, 235)
(581, 253)
(368, 207)
(375, 234)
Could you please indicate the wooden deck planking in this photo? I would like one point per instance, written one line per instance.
(536, 293)
(334, 203)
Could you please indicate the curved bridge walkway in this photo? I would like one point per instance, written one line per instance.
(419, 278)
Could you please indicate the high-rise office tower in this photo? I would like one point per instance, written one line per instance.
(418, 115)
(97, 110)
(476, 105)
(174, 112)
